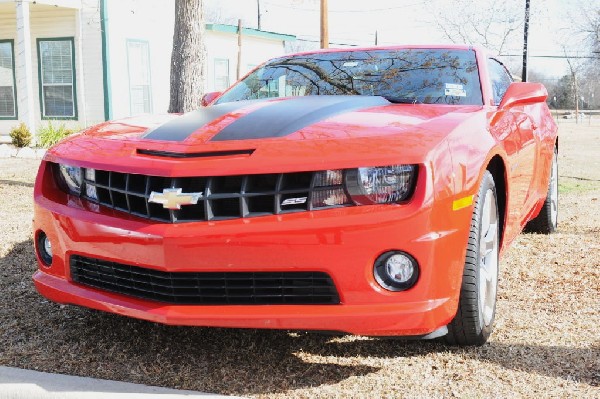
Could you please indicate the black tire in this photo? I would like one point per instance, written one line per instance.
(547, 220)
(473, 322)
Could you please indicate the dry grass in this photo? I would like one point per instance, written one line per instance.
(546, 341)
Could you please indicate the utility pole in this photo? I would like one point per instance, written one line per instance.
(258, 13)
(324, 25)
(239, 56)
(525, 36)
(576, 99)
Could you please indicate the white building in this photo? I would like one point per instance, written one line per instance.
(85, 61)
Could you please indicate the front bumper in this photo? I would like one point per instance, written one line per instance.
(342, 242)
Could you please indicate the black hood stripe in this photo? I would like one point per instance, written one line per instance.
(288, 116)
(277, 119)
(181, 128)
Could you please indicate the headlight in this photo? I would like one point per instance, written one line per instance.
(90, 190)
(381, 185)
(72, 177)
(329, 189)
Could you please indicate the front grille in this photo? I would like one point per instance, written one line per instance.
(223, 197)
(206, 288)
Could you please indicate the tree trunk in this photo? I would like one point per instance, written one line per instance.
(188, 56)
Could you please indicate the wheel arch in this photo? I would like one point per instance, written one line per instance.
(497, 168)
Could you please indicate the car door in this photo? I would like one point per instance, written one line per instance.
(516, 131)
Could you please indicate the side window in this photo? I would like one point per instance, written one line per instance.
(500, 78)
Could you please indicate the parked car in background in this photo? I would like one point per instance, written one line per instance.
(367, 191)
(572, 115)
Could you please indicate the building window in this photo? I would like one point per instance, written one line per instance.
(8, 104)
(140, 88)
(56, 66)
(221, 74)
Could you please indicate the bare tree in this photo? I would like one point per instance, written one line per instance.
(591, 27)
(581, 40)
(188, 56)
(489, 23)
(214, 14)
(591, 75)
(575, 68)
(299, 46)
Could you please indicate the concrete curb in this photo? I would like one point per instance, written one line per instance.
(9, 151)
(27, 384)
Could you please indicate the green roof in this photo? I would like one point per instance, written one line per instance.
(250, 32)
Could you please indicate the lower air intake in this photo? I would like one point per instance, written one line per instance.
(206, 288)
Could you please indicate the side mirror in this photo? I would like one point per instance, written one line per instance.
(522, 93)
(209, 98)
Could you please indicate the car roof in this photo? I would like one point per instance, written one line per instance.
(395, 47)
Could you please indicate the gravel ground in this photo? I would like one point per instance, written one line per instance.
(546, 342)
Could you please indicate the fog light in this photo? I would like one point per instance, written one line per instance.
(396, 271)
(44, 247)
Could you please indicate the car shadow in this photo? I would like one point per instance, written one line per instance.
(568, 363)
(42, 335)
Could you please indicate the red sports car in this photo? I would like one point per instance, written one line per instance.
(368, 191)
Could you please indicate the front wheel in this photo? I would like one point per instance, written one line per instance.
(472, 324)
(547, 220)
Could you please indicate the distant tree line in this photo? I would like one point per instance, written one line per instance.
(581, 87)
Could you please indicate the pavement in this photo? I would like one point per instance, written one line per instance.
(10, 151)
(28, 384)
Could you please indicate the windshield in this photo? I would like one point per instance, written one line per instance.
(428, 76)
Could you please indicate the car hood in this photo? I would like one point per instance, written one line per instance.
(332, 130)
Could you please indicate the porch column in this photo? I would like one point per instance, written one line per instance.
(81, 99)
(24, 67)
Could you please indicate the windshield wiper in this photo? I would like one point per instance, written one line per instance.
(402, 100)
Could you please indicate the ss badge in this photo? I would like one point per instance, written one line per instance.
(294, 201)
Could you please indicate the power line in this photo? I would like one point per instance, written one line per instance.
(318, 41)
(381, 9)
(591, 57)
(345, 11)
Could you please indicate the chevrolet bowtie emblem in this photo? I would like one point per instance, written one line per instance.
(173, 198)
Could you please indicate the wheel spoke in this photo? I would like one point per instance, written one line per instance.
(553, 191)
(485, 273)
(490, 238)
(488, 257)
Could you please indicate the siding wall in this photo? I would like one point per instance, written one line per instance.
(152, 21)
(255, 51)
(49, 22)
(8, 30)
(147, 20)
(91, 47)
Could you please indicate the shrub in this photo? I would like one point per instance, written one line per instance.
(50, 135)
(20, 135)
